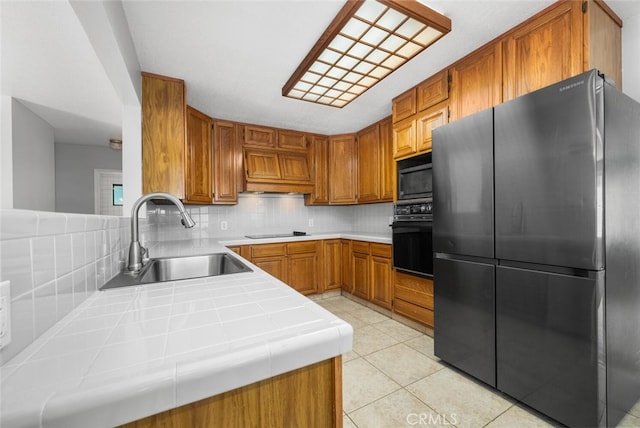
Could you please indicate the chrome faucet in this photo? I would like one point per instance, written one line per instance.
(136, 251)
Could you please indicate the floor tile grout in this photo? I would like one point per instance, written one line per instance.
(346, 307)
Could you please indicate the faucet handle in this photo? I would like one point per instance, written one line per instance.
(144, 252)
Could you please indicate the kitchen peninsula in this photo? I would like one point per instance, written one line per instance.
(218, 347)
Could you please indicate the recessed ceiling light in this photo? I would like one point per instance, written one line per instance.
(366, 41)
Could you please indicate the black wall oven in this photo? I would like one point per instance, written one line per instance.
(412, 234)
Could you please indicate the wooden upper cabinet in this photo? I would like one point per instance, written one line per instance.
(432, 91)
(387, 181)
(427, 122)
(319, 155)
(163, 135)
(545, 50)
(262, 165)
(404, 105)
(404, 138)
(476, 81)
(342, 169)
(225, 158)
(199, 175)
(292, 140)
(369, 171)
(603, 36)
(294, 167)
(259, 136)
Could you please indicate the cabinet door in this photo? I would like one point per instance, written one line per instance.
(476, 82)
(347, 268)
(261, 165)
(342, 169)
(294, 167)
(198, 167)
(332, 264)
(274, 265)
(546, 50)
(163, 135)
(319, 169)
(292, 140)
(381, 281)
(387, 164)
(258, 136)
(225, 175)
(404, 138)
(302, 272)
(432, 91)
(404, 105)
(427, 122)
(360, 257)
(368, 164)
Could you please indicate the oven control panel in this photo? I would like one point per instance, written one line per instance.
(424, 208)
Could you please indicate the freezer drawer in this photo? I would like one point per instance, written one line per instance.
(464, 316)
(549, 330)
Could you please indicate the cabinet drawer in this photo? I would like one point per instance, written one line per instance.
(413, 296)
(416, 290)
(302, 247)
(266, 250)
(382, 250)
(360, 247)
(415, 312)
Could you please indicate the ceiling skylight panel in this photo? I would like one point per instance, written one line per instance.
(355, 28)
(427, 36)
(410, 28)
(391, 19)
(365, 42)
(409, 50)
(375, 36)
(370, 11)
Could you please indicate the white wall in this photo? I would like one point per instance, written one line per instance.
(33, 160)
(75, 165)
(6, 154)
(631, 57)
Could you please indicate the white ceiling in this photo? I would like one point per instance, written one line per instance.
(235, 56)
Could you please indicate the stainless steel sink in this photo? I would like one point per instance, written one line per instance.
(176, 268)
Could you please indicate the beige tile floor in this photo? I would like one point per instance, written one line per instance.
(393, 379)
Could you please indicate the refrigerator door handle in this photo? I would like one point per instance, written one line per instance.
(459, 257)
(561, 270)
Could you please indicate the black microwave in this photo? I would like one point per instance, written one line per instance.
(415, 178)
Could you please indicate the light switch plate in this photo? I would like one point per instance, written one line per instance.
(5, 313)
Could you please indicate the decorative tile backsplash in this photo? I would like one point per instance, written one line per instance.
(265, 213)
(54, 262)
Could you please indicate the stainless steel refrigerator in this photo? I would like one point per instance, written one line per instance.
(536, 226)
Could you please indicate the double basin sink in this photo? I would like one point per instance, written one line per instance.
(176, 268)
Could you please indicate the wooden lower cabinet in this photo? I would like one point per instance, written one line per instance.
(331, 265)
(361, 257)
(413, 297)
(307, 397)
(347, 268)
(295, 263)
(381, 275)
(372, 273)
(303, 266)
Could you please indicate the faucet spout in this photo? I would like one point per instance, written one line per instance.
(136, 251)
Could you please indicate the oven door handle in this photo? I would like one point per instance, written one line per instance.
(420, 224)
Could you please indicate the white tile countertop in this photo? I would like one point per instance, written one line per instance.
(124, 354)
